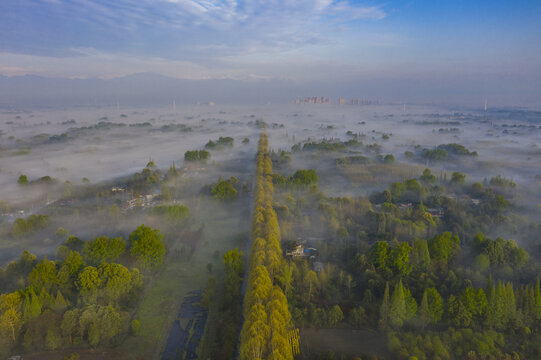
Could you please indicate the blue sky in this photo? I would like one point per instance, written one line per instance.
(296, 40)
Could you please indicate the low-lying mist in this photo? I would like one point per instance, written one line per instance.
(65, 151)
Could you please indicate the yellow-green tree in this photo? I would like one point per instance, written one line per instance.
(11, 319)
(267, 326)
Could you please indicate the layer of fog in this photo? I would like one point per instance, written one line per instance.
(100, 154)
(507, 142)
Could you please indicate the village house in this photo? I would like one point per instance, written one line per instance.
(300, 251)
(436, 212)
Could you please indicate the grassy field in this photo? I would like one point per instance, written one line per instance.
(346, 342)
(159, 306)
(225, 227)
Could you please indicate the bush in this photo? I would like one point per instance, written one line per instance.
(196, 155)
(304, 177)
(135, 327)
(221, 143)
(26, 226)
(388, 159)
(23, 180)
(224, 189)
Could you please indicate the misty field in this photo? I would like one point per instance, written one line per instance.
(387, 233)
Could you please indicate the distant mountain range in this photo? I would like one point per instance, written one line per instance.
(141, 88)
(147, 89)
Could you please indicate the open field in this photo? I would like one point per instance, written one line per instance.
(224, 229)
(343, 341)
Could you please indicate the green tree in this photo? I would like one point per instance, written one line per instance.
(400, 259)
(444, 248)
(427, 177)
(312, 281)
(196, 155)
(116, 281)
(475, 302)
(173, 171)
(254, 334)
(23, 180)
(411, 304)
(319, 317)
(61, 233)
(259, 287)
(27, 262)
(223, 190)
(74, 243)
(357, 317)
(135, 327)
(398, 310)
(32, 306)
(11, 319)
(60, 303)
(388, 159)
(385, 309)
(334, 316)
(88, 316)
(537, 296)
(279, 321)
(458, 312)
(67, 275)
(53, 338)
(94, 333)
(424, 312)
(70, 320)
(147, 247)
(420, 254)
(88, 283)
(110, 324)
(304, 177)
(457, 178)
(34, 222)
(481, 262)
(44, 275)
(233, 261)
(435, 304)
(103, 249)
(285, 278)
(380, 255)
(397, 190)
(234, 269)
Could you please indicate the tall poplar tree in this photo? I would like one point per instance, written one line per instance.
(385, 309)
(398, 311)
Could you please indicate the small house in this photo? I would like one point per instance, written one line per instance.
(436, 212)
(296, 252)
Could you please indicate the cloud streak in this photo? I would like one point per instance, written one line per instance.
(170, 28)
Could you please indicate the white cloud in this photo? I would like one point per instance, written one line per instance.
(353, 12)
(13, 70)
(196, 35)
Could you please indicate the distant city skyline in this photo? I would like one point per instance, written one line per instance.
(481, 48)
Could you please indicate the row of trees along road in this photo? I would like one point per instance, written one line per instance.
(267, 332)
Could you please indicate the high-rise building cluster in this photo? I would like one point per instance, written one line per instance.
(359, 101)
(340, 101)
(313, 100)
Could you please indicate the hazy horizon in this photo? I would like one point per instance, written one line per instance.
(445, 53)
